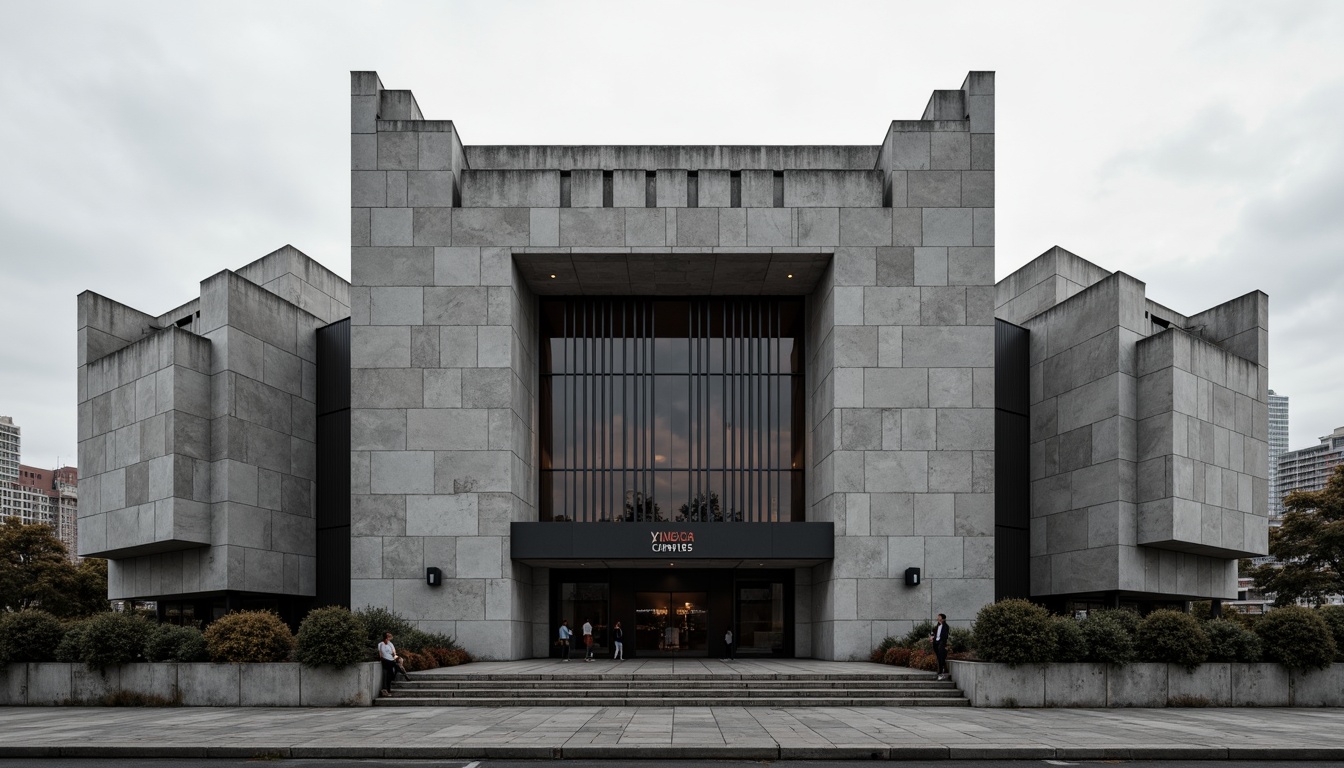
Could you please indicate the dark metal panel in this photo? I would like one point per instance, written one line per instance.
(333, 566)
(1012, 551)
(333, 469)
(673, 542)
(1011, 364)
(1012, 469)
(333, 367)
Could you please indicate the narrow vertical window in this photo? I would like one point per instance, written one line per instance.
(735, 189)
(650, 189)
(692, 189)
(564, 189)
(779, 189)
(608, 189)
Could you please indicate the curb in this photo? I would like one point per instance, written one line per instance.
(681, 752)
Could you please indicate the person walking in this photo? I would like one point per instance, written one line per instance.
(565, 634)
(939, 638)
(618, 639)
(587, 640)
(728, 643)
(387, 654)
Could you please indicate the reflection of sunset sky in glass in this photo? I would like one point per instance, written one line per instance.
(678, 399)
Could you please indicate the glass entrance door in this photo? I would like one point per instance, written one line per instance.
(671, 624)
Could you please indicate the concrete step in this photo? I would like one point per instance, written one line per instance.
(640, 701)
(678, 693)
(608, 683)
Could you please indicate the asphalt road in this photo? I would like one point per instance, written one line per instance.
(229, 763)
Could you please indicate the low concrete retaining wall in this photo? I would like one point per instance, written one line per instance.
(197, 685)
(1146, 685)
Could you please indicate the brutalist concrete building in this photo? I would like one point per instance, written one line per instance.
(688, 388)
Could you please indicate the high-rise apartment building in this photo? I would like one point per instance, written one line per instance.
(9, 450)
(1278, 445)
(1308, 469)
(33, 495)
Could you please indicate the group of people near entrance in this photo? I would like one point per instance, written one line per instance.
(387, 652)
(566, 641)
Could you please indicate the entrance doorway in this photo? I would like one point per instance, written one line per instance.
(671, 623)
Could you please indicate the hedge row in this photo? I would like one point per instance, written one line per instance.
(1021, 632)
(331, 636)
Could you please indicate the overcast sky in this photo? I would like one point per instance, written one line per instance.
(1196, 146)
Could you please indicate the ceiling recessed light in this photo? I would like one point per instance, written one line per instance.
(553, 276)
(790, 276)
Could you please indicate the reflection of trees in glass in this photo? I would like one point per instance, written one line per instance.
(704, 508)
(641, 508)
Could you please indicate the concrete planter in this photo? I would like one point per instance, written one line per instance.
(193, 685)
(1146, 685)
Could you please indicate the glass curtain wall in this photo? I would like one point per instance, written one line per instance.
(685, 410)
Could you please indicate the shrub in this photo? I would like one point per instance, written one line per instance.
(1126, 618)
(1014, 632)
(1333, 615)
(30, 635)
(376, 621)
(71, 648)
(415, 661)
(1107, 639)
(1070, 644)
(1229, 641)
(1173, 637)
(961, 639)
(331, 636)
(921, 631)
(897, 656)
(925, 661)
(1297, 638)
(169, 642)
(249, 637)
(113, 638)
(448, 657)
(880, 652)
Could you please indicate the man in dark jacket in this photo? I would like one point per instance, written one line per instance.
(939, 638)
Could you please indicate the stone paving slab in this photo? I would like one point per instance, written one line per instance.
(675, 732)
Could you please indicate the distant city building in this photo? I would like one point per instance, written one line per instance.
(35, 495)
(9, 450)
(1308, 469)
(1278, 445)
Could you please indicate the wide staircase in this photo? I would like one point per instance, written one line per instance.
(608, 686)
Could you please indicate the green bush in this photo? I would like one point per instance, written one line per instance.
(880, 652)
(1172, 637)
(961, 639)
(1070, 645)
(1333, 615)
(71, 648)
(1229, 641)
(897, 656)
(921, 631)
(1297, 638)
(1014, 632)
(110, 639)
(1107, 639)
(331, 636)
(30, 635)
(169, 642)
(1126, 618)
(376, 621)
(249, 637)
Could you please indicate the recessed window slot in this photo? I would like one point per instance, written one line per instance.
(692, 189)
(650, 189)
(565, 189)
(608, 189)
(735, 189)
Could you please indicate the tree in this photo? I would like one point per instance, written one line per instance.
(1309, 547)
(36, 572)
(641, 508)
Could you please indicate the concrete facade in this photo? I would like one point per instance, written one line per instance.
(892, 244)
(1148, 433)
(196, 435)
